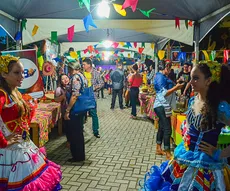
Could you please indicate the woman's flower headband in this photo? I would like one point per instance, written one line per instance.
(4, 62)
(215, 69)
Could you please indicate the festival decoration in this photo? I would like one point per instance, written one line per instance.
(88, 21)
(215, 69)
(140, 50)
(147, 13)
(70, 33)
(85, 2)
(190, 23)
(213, 55)
(122, 44)
(205, 55)
(177, 22)
(18, 36)
(226, 56)
(54, 36)
(135, 44)
(115, 44)
(90, 48)
(4, 62)
(85, 51)
(119, 10)
(73, 55)
(130, 3)
(186, 23)
(129, 44)
(35, 30)
(103, 9)
(161, 54)
(23, 24)
(143, 44)
(152, 45)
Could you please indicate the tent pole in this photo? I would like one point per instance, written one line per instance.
(196, 38)
(156, 58)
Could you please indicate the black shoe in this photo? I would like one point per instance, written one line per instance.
(74, 160)
(97, 136)
(122, 107)
(111, 107)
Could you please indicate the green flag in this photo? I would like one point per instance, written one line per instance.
(85, 2)
(143, 44)
(147, 13)
(54, 36)
(186, 24)
(23, 24)
(79, 54)
(213, 55)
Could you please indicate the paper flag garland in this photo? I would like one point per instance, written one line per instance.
(147, 13)
(177, 22)
(140, 50)
(115, 44)
(88, 21)
(161, 54)
(85, 51)
(186, 24)
(70, 33)
(118, 9)
(190, 23)
(79, 54)
(90, 48)
(57, 59)
(143, 44)
(54, 36)
(129, 44)
(18, 36)
(213, 55)
(225, 56)
(23, 24)
(122, 43)
(205, 55)
(95, 46)
(152, 45)
(85, 2)
(135, 44)
(35, 30)
(96, 51)
(130, 3)
(73, 55)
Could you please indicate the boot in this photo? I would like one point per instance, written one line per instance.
(168, 155)
(159, 150)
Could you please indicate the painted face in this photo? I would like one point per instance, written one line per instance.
(15, 76)
(198, 81)
(64, 80)
(86, 66)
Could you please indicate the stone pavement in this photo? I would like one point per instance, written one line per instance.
(120, 158)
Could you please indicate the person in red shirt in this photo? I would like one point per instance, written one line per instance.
(135, 82)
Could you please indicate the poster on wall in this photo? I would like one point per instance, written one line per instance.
(32, 83)
(175, 56)
(51, 52)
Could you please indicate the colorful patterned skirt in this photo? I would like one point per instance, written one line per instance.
(24, 167)
(186, 175)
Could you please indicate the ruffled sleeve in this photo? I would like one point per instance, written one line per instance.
(224, 113)
(3, 141)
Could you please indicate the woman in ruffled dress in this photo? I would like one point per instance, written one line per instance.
(23, 166)
(198, 164)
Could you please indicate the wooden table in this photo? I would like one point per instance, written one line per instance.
(46, 116)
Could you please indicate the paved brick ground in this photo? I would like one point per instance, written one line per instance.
(120, 158)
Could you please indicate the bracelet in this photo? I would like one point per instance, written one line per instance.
(216, 154)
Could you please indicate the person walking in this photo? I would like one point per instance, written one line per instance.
(118, 79)
(94, 79)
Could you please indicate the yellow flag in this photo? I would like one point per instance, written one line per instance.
(40, 62)
(73, 55)
(118, 9)
(121, 43)
(161, 54)
(129, 55)
(206, 55)
(35, 30)
(152, 45)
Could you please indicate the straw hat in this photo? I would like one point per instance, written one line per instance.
(48, 69)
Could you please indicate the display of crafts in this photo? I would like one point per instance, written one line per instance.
(180, 104)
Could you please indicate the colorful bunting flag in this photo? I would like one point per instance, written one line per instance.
(177, 22)
(90, 48)
(96, 51)
(161, 54)
(57, 59)
(135, 44)
(70, 33)
(85, 2)
(143, 44)
(122, 44)
(147, 13)
(190, 23)
(79, 53)
(226, 56)
(88, 21)
(18, 36)
(130, 3)
(140, 50)
(95, 46)
(118, 9)
(115, 44)
(152, 45)
(23, 24)
(129, 44)
(213, 55)
(35, 30)
(186, 23)
(54, 36)
(205, 55)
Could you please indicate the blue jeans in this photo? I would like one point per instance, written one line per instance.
(134, 91)
(95, 122)
(165, 129)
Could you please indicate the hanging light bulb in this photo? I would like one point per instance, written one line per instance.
(103, 9)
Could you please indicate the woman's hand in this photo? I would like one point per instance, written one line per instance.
(13, 139)
(66, 116)
(179, 86)
(207, 148)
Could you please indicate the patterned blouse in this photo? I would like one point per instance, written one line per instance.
(76, 84)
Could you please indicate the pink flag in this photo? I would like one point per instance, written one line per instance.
(70, 33)
(115, 44)
(85, 51)
(177, 22)
(130, 3)
(226, 56)
(135, 44)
